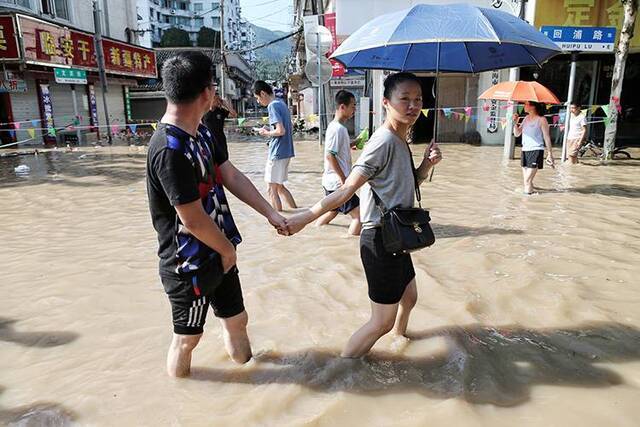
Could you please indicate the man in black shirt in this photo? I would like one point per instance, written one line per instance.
(187, 174)
(215, 117)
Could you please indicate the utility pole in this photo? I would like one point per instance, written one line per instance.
(514, 75)
(224, 59)
(101, 68)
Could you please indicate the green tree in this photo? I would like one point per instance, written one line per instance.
(208, 37)
(271, 70)
(175, 37)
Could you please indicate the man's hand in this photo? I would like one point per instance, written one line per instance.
(297, 222)
(279, 223)
(229, 259)
(263, 132)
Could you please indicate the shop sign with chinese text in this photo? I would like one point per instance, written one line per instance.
(8, 42)
(49, 44)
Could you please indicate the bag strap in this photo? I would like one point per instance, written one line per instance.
(415, 177)
(379, 202)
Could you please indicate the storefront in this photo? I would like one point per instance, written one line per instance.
(594, 70)
(35, 108)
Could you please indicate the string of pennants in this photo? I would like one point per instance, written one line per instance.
(463, 114)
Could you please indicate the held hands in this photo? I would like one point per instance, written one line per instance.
(279, 223)
(289, 226)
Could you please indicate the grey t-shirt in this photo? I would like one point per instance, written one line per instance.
(386, 162)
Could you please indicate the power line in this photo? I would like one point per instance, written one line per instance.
(271, 14)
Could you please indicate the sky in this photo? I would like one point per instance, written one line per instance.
(271, 14)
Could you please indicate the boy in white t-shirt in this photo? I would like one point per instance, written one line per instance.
(577, 133)
(337, 161)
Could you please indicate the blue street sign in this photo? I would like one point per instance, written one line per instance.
(587, 39)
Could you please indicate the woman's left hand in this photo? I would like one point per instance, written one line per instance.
(433, 154)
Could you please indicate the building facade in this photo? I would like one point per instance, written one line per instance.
(460, 91)
(157, 16)
(44, 44)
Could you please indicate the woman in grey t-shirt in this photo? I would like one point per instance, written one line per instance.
(384, 168)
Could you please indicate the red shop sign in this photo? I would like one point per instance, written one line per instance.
(8, 42)
(127, 59)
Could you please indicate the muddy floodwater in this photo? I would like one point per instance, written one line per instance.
(528, 311)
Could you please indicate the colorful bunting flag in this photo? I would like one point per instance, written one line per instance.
(32, 133)
(241, 120)
(504, 107)
(468, 110)
(485, 107)
(520, 109)
(467, 118)
(265, 119)
(16, 125)
(503, 122)
(555, 119)
(35, 123)
(12, 133)
(594, 108)
(607, 110)
(154, 125)
(115, 129)
(52, 132)
(426, 113)
(584, 111)
(447, 112)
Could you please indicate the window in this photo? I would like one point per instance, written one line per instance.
(166, 19)
(183, 6)
(197, 7)
(151, 14)
(215, 22)
(158, 16)
(62, 9)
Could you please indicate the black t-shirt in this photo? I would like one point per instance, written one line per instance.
(182, 168)
(214, 120)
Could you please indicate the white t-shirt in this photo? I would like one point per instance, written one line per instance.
(338, 144)
(575, 125)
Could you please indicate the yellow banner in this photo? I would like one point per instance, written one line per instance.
(584, 13)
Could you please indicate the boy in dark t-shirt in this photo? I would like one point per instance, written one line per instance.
(187, 173)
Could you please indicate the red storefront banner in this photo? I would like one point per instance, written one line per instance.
(127, 59)
(330, 23)
(8, 41)
(50, 44)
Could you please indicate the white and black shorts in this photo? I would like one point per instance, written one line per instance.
(190, 304)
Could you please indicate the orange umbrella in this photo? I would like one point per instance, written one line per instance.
(520, 92)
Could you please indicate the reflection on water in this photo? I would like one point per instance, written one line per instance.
(527, 311)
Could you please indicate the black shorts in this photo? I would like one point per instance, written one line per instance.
(348, 206)
(532, 159)
(189, 309)
(387, 274)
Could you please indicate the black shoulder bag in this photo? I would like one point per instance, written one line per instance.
(405, 230)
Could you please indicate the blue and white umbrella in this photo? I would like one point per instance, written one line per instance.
(445, 38)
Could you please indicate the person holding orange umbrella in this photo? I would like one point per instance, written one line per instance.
(534, 129)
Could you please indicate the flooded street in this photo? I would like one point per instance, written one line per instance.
(527, 311)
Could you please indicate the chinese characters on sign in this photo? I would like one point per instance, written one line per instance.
(592, 39)
(8, 43)
(330, 23)
(492, 124)
(93, 106)
(47, 111)
(50, 44)
(578, 11)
